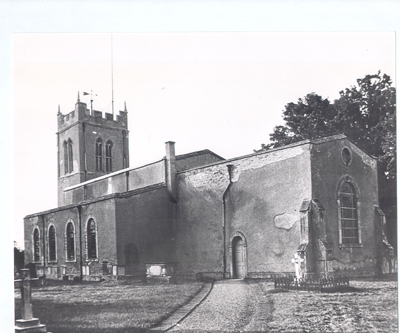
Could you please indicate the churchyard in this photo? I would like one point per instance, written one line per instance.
(367, 306)
(105, 307)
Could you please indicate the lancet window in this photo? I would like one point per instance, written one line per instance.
(91, 239)
(109, 145)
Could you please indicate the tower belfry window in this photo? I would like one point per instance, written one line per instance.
(99, 155)
(108, 156)
(70, 156)
(65, 145)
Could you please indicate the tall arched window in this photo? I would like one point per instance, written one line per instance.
(65, 145)
(348, 214)
(52, 243)
(70, 241)
(99, 155)
(109, 145)
(36, 245)
(70, 156)
(91, 239)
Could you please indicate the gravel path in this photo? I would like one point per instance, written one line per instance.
(229, 308)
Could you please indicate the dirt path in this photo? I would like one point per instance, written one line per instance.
(229, 308)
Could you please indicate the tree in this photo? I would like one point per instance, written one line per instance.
(18, 258)
(312, 117)
(366, 114)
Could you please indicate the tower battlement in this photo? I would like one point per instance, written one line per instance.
(83, 114)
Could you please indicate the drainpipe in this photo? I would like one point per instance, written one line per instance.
(230, 166)
(127, 181)
(80, 240)
(170, 172)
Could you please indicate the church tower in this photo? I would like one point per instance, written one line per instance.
(90, 146)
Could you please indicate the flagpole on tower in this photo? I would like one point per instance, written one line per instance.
(112, 77)
(91, 102)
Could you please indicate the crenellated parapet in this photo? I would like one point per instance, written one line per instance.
(82, 114)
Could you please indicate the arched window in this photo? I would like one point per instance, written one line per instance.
(70, 156)
(91, 239)
(70, 241)
(348, 214)
(36, 245)
(52, 243)
(99, 155)
(65, 145)
(109, 145)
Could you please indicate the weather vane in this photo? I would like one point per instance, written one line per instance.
(91, 100)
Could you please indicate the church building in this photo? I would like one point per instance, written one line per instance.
(202, 215)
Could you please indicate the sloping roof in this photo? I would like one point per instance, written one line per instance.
(198, 153)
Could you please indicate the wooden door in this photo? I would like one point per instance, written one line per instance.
(238, 258)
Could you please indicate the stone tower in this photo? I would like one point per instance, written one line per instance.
(90, 146)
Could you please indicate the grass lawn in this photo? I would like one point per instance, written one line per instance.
(105, 308)
(370, 306)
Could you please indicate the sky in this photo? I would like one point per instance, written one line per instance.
(205, 74)
(219, 91)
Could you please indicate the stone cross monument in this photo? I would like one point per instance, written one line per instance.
(27, 324)
(297, 265)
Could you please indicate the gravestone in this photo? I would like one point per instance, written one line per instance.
(27, 324)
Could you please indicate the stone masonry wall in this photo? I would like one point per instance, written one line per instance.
(145, 229)
(262, 204)
(328, 169)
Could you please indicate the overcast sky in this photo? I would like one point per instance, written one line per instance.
(220, 91)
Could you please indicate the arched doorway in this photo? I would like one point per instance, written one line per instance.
(238, 258)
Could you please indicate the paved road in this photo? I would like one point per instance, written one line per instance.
(229, 308)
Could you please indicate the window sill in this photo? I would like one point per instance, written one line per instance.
(70, 260)
(345, 246)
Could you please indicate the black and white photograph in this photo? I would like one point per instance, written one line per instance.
(183, 168)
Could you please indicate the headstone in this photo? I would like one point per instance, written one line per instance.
(27, 323)
(297, 265)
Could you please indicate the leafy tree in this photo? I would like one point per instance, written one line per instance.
(366, 113)
(311, 117)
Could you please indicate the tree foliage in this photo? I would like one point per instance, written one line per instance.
(18, 258)
(365, 113)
